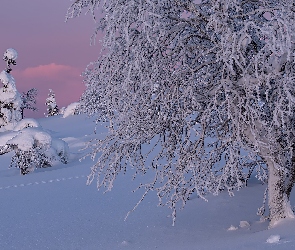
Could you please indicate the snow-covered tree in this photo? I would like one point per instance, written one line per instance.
(10, 98)
(199, 92)
(29, 100)
(52, 108)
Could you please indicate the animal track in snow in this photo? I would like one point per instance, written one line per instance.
(42, 182)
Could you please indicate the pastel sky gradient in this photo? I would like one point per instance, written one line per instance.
(52, 54)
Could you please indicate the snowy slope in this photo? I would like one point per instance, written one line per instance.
(53, 208)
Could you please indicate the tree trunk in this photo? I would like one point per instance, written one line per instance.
(291, 178)
(278, 194)
(280, 180)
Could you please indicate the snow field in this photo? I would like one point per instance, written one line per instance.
(52, 208)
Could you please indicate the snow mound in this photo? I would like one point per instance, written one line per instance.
(10, 54)
(244, 224)
(273, 239)
(125, 243)
(71, 109)
(232, 228)
(26, 123)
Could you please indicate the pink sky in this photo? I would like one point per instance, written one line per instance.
(51, 53)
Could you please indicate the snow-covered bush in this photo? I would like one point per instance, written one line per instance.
(224, 99)
(33, 147)
(59, 151)
(52, 108)
(71, 109)
(10, 98)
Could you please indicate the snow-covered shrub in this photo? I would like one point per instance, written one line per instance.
(60, 150)
(10, 98)
(71, 109)
(28, 160)
(33, 147)
(207, 86)
(52, 108)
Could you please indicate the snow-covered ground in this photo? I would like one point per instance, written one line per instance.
(52, 208)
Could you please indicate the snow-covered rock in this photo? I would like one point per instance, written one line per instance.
(244, 224)
(273, 239)
(232, 228)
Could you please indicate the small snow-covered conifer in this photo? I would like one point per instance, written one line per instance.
(29, 100)
(10, 98)
(52, 108)
(197, 92)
